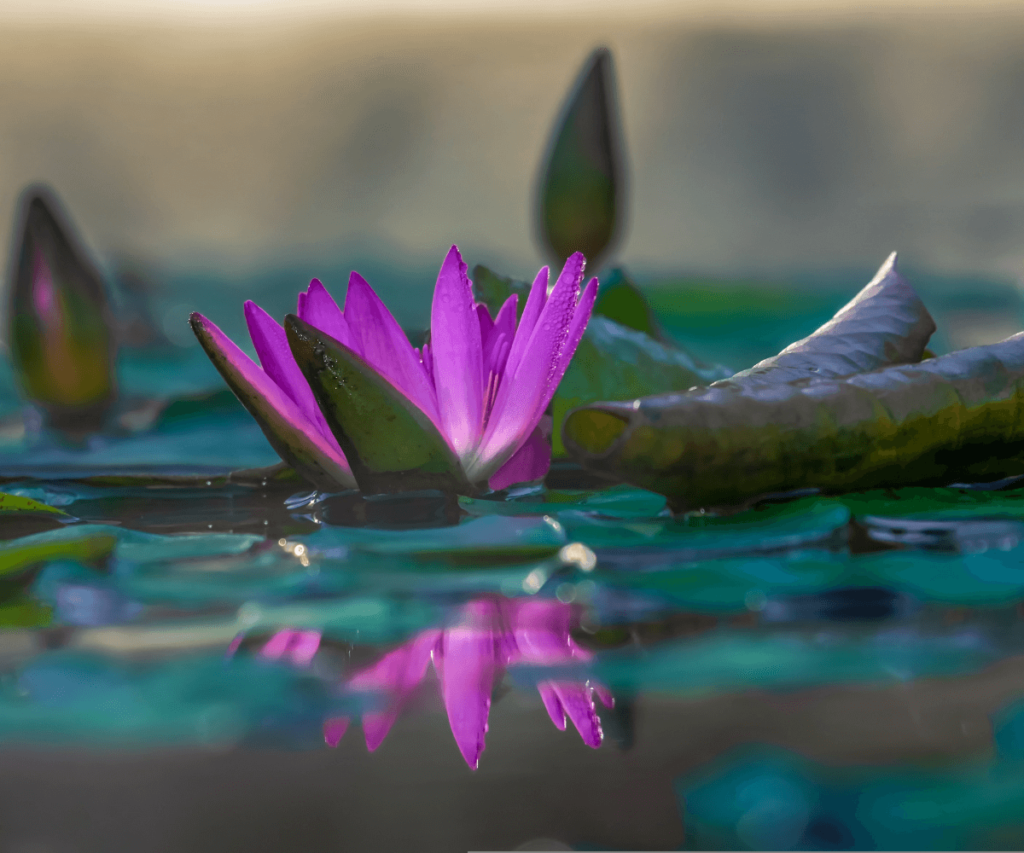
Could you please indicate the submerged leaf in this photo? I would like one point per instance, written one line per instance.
(60, 332)
(956, 418)
(581, 192)
(391, 444)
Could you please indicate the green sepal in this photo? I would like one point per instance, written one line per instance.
(390, 443)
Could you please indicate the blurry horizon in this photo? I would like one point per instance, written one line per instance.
(761, 138)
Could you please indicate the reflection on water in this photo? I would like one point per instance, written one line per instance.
(486, 636)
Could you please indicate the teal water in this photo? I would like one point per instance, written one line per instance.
(819, 672)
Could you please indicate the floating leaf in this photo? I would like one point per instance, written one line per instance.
(18, 505)
(61, 341)
(391, 444)
(475, 541)
(660, 542)
(617, 502)
(581, 189)
(884, 324)
(613, 362)
(82, 543)
(953, 418)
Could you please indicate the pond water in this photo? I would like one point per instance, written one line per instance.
(812, 672)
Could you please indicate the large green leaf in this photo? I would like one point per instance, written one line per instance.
(948, 419)
(390, 443)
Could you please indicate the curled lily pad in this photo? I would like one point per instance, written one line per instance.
(391, 444)
(885, 323)
(949, 419)
(581, 187)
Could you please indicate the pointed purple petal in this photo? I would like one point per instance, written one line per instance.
(577, 327)
(428, 362)
(486, 323)
(530, 462)
(498, 342)
(534, 305)
(457, 353)
(299, 647)
(394, 676)
(467, 676)
(605, 695)
(549, 696)
(318, 308)
(578, 703)
(298, 431)
(271, 343)
(516, 409)
(334, 730)
(384, 345)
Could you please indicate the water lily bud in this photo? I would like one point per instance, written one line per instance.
(581, 185)
(59, 321)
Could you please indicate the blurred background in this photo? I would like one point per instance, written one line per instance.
(762, 136)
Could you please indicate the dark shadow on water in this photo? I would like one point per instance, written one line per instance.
(407, 511)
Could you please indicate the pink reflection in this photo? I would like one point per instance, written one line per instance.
(486, 636)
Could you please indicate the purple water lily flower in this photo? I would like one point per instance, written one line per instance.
(484, 382)
(469, 656)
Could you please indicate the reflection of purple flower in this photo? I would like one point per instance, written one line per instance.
(484, 382)
(469, 656)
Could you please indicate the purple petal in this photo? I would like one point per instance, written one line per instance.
(457, 353)
(297, 646)
(486, 323)
(247, 375)
(578, 704)
(531, 312)
(428, 362)
(384, 345)
(572, 340)
(395, 675)
(334, 730)
(318, 308)
(498, 342)
(467, 676)
(275, 355)
(552, 704)
(605, 695)
(517, 407)
(530, 462)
